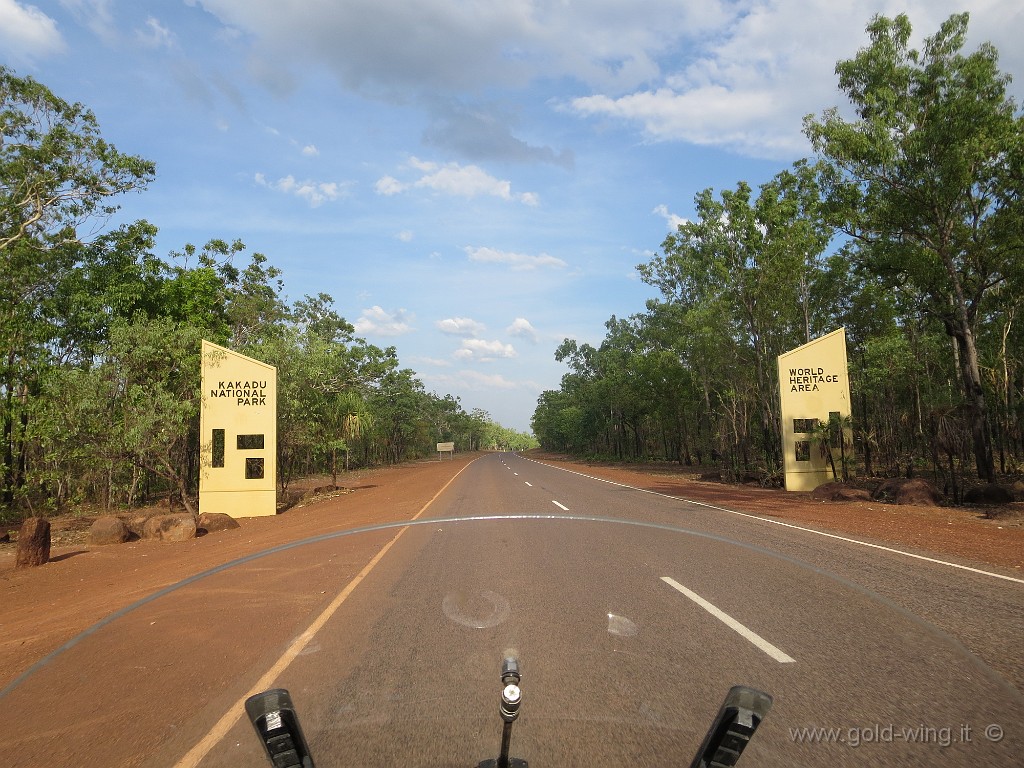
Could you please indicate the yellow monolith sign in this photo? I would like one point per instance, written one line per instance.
(813, 385)
(238, 434)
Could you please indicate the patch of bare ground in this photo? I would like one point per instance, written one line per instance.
(990, 535)
(44, 607)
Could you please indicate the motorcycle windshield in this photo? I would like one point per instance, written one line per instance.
(390, 641)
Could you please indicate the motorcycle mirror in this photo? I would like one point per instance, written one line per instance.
(739, 716)
(273, 716)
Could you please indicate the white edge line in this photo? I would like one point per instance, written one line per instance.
(560, 506)
(729, 621)
(791, 525)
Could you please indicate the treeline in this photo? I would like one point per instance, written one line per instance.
(100, 338)
(906, 227)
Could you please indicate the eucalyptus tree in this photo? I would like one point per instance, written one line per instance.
(744, 270)
(927, 181)
(57, 179)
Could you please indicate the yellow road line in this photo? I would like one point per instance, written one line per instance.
(202, 748)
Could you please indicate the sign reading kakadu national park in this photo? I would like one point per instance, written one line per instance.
(813, 385)
(238, 434)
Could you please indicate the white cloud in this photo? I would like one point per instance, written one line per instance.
(767, 65)
(315, 193)
(673, 220)
(454, 179)
(522, 328)
(518, 261)
(388, 185)
(310, 150)
(484, 351)
(431, 361)
(28, 33)
(477, 381)
(377, 321)
(460, 326)
(406, 236)
(738, 74)
(155, 35)
(96, 15)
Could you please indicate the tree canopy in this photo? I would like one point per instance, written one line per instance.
(905, 228)
(100, 337)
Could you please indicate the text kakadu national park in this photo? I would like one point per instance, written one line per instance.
(808, 379)
(247, 392)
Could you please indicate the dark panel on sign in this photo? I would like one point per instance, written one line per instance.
(804, 425)
(803, 450)
(254, 468)
(218, 448)
(250, 442)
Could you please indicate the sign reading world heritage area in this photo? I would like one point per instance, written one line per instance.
(813, 385)
(238, 434)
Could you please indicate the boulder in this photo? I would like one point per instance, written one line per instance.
(108, 530)
(137, 524)
(216, 521)
(914, 490)
(988, 494)
(834, 491)
(176, 527)
(33, 543)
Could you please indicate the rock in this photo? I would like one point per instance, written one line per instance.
(33, 543)
(833, 491)
(137, 524)
(915, 490)
(216, 521)
(176, 527)
(108, 530)
(988, 494)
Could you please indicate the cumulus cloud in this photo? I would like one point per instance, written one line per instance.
(522, 328)
(453, 179)
(376, 321)
(479, 350)
(738, 75)
(460, 326)
(406, 235)
(673, 220)
(315, 193)
(394, 47)
(310, 150)
(518, 261)
(766, 66)
(28, 33)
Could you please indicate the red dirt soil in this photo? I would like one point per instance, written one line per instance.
(44, 607)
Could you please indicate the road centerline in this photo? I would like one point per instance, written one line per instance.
(743, 631)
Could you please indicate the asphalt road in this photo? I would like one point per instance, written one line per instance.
(631, 613)
(622, 667)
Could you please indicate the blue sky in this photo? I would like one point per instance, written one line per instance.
(471, 180)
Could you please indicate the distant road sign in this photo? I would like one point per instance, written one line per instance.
(446, 447)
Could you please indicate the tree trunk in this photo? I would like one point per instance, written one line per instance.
(981, 436)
